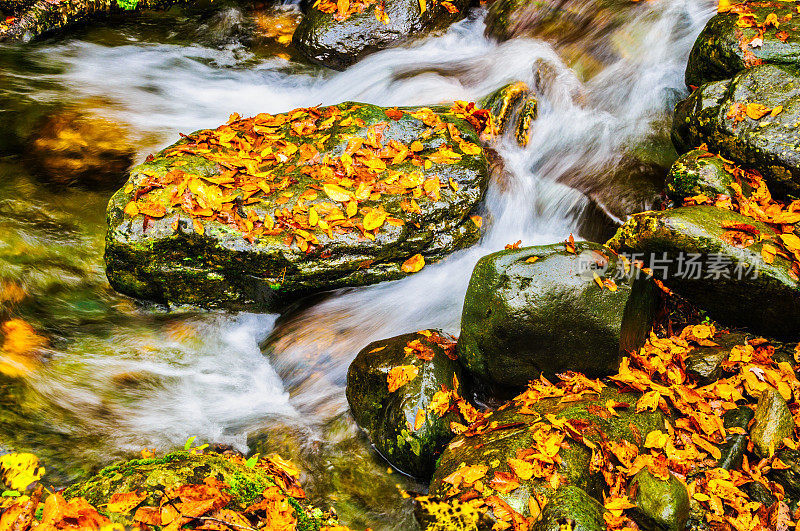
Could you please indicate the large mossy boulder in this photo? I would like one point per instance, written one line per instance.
(724, 46)
(403, 422)
(272, 207)
(571, 506)
(508, 433)
(338, 40)
(546, 309)
(750, 119)
(153, 477)
(697, 252)
(771, 424)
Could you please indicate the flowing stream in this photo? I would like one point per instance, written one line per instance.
(120, 376)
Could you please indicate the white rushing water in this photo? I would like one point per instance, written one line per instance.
(207, 374)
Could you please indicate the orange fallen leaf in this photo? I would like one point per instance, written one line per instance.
(400, 376)
(413, 264)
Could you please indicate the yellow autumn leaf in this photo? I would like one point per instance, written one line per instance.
(656, 439)
(337, 193)
(124, 502)
(477, 220)
(131, 209)
(791, 241)
(648, 401)
(776, 111)
(19, 470)
(351, 209)
(440, 403)
(419, 420)
(413, 264)
(400, 375)
(422, 7)
(313, 217)
(756, 111)
(768, 253)
(523, 469)
(374, 219)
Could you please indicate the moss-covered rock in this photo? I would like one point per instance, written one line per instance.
(337, 44)
(153, 475)
(503, 103)
(540, 310)
(772, 423)
(573, 507)
(660, 504)
(699, 172)
(290, 228)
(788, 477)
(716, 114)
(528, 113)
(723, 47)
(389, 417)
(699, 259)
(516, 429)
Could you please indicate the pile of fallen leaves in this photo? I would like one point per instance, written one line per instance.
(758, 204)
(344, 9)
(262, 166)
(205, 505)
(687, 448)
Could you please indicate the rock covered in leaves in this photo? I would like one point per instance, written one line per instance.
(181, 490)
(743, 35)
(338, 34)
(527, 451)
(405, 392)
(750, 119)
(309, 200)
(728, 264)
(552, 308)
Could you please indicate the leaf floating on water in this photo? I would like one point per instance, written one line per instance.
(413, 264)
(400, 375)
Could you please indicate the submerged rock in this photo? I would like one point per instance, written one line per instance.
(74, 148)
(540, 310)
(726, 46)
(695, 252)
(749, 119)
(268, 208)
(507, 433)
(410, 424)
(588, 33)
(772, 422)
(660, 504)
(337, 39)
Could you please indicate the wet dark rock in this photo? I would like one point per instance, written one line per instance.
(722, 49)
(389, 417)
(573, 506)
(339, 44)
(735, 443)
(168, 260)
(660, 504)
(704, 363)
(493, 448)
(512, 107)
(539, 310)
(725, 280)
(769, 144)
(772, 423)
(71, 148)
(789, 477)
